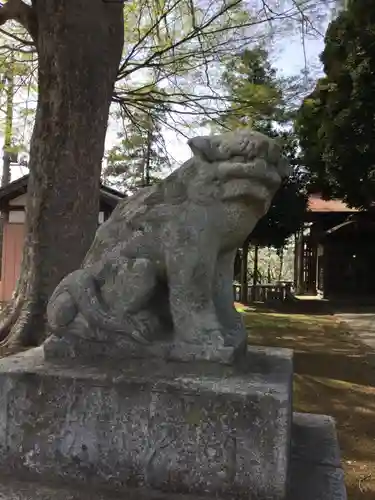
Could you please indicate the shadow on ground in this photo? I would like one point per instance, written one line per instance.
(318, 307)
(334, 375)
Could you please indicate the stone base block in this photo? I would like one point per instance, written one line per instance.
(316, 472)
(12, 488)
(74, 347)
(204, 430)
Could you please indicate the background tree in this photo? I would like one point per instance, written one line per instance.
(288, 207)
(259, 102)
(140, 158)
(251, 80)
(174, 50)
(257, 97)
(180, 46)
(17, 86)
(335, 123)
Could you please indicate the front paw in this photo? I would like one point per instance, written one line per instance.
(205, 333)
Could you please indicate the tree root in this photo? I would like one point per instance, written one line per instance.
(22, 326)
(9, 316)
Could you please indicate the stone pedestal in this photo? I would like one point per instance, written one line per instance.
(316, 472)
(201, 429)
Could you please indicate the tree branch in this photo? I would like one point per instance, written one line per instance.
(18, 49)
(123, 73)
(145, 35)
(18, 11)
(17, 38)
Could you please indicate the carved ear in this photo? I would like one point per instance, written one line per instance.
(203, 148)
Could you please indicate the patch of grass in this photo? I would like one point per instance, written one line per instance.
(333, 376)
(240, 307)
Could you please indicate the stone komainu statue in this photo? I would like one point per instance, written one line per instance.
(160, 269)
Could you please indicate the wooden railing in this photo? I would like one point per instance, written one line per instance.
(264, 293)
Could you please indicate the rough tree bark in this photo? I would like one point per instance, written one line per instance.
(79, 44)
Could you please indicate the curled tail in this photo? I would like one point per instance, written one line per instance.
(78, 293)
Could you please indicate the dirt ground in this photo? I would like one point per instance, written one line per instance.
(333, 376)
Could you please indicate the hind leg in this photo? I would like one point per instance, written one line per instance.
(126, 284)
(127, 289)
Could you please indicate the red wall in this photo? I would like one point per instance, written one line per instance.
(13, 241)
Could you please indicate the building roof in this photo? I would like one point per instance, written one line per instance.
(317, 204)
(18, 187)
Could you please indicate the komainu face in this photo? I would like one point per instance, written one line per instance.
(247, 165)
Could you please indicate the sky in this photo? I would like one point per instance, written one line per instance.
(289, 59)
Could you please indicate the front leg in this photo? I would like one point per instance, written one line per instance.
(230, 319)
(190, 271)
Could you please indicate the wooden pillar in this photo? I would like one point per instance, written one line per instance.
(296, 267)
(255, 272)
(237, 265)
(313, 264)
(299, 263)
(244, 268)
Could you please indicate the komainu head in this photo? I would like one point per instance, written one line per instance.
(240, 145)
(249, 164)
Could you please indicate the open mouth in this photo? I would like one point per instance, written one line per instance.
(250, 190)
(268, 180)
(259, 174)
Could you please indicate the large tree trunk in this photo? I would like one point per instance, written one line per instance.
(79, 44)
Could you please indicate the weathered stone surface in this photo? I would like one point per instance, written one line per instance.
(314, 439)
(74, 346)
(199, 429)
(159, 272)
(317, 482)
(316, 472)
(12, 488)
(270, 360)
